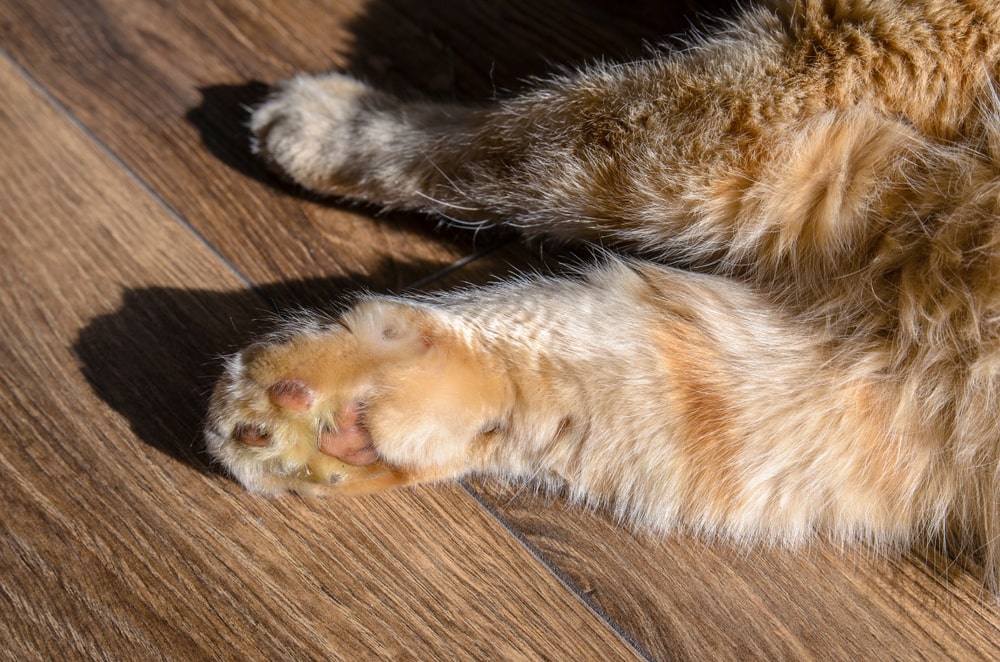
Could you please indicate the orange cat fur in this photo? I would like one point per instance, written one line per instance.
(823, 355)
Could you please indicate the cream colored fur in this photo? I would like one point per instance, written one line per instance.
(821, 357)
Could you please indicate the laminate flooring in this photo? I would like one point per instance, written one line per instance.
(140, 241)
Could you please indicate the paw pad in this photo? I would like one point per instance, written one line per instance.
(291, 394)
(252, 435)
(350, 442)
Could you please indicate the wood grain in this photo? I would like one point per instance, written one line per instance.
(687, 598)
(113, 547)
(117, 537)
(166, 87)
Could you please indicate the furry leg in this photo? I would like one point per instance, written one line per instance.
(708, 408)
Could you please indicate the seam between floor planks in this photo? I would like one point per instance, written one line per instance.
(429, 280)
(134, 176)
(558, 573)
(633, 572)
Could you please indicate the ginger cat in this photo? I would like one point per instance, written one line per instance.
(821, 356)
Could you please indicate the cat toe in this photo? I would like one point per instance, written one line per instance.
(251, 435)
(291, 394)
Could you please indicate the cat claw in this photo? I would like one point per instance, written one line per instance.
(251, 435)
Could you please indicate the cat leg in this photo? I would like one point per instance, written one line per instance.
(751, 145)
(630, 153)
(610, 157)
(668, 397)
(589, 156)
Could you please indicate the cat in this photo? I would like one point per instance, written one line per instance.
(798, 333)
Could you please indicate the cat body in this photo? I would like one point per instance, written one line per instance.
(822, 355)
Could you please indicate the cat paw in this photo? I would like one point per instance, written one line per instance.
(309, 129)
(387, 395)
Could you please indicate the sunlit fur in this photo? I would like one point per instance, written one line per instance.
(822, 354)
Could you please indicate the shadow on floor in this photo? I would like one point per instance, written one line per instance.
(155, 359)
(474, 50)
(461, 50)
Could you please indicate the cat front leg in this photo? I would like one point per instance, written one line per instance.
(507, 380)
(668, 397)
(333, 134)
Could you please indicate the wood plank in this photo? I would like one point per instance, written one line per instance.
(166, 86)
(475, 50)
(687, 598)
(117, 541)
(129, 71)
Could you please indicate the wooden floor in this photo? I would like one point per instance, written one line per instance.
(139, 240)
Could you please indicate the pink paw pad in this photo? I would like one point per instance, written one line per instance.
(251, 435)
(291, 394)
(350, 443)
